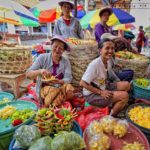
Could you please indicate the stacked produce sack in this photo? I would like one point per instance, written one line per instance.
(82, 53)
(138, 63)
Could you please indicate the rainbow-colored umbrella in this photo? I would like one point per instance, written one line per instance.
(48, 12)
(118, 17)
(14, 13)
(125, 27)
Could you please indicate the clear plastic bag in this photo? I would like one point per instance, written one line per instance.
(108, 123)
(99, 142)
(121, 128)
(25, 135)
(43, 143)
(94, 128)
(67, 141)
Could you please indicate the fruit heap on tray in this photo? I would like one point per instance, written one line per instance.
(142, 82)
(4, 100)
(141, 116)
(99, 132)
(129, 55)
(52, 120)
(74, 41)
(133, 146)
(16, 116)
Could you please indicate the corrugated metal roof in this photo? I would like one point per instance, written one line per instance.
(28, 3)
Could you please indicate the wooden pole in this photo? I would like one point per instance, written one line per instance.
(75, 4)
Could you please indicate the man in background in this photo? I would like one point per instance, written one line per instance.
(140, 39)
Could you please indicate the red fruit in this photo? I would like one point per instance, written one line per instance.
(17, 122)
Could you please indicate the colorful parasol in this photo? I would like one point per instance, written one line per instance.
(50, 15)
(118, 17)
(14, 13)
(125, 27)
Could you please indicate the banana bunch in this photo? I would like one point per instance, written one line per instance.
(52, 120)
(142, 82)
(133, 146)
(7, 112)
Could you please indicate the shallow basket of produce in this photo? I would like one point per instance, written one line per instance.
(138, 114)
(75, 127)
(6, 97)
(114, 134)
(13, 115)
(141, 88)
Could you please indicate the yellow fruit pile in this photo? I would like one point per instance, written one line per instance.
(142, 82)
(99, 142)
(120, 129)
(140, 116)
(129, 55)
(133, 146)
(7, 112)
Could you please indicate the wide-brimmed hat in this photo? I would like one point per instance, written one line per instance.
(105, 9)
(60, 38)
(66, 1)
(108, 36)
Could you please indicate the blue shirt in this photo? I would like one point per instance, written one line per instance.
(68, 31)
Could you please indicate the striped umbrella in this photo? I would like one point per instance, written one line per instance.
(118, 17)
(14, 13)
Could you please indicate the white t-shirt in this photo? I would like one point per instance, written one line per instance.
(96, 73)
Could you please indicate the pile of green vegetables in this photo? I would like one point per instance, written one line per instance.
(29, 137)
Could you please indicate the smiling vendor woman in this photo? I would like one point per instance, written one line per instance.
(52, 64)
(66, 25)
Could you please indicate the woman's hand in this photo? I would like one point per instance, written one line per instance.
(106, 94)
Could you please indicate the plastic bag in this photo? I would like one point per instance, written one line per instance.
(99, 142)
(121, 128)
(25, 135)
(94, 128)
(108, 123)
(43, 143)
(67, 141)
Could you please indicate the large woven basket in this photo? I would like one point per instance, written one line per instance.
(80, 56)
(15, 60)
(138, 66)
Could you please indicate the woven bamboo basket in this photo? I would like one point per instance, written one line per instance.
(138, 66)
(80, 56)
(15, 60)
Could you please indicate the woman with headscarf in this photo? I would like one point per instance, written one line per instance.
(66, 25)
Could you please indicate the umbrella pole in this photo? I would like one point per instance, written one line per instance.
(49, 29)
(75, 3)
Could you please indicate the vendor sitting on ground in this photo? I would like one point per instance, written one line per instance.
(53, 65)
(97, 89)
